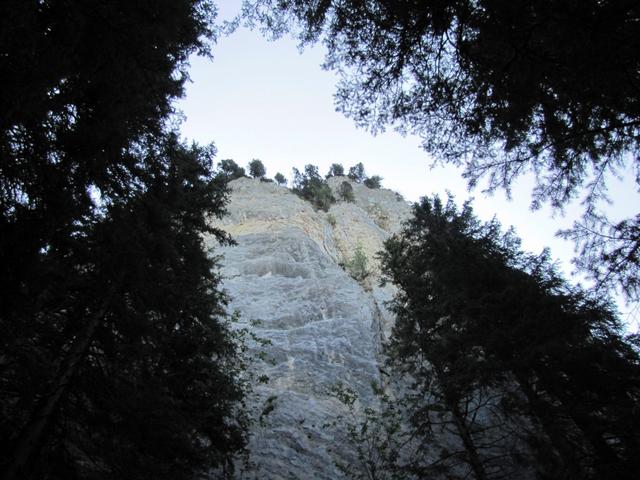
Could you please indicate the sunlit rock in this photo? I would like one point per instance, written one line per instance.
(287, 279)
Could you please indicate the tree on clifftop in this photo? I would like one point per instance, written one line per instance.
(501, 87)
(256, 168)
(335, 170)
(230, 169)
(312, 187)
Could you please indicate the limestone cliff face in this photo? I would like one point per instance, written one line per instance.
(286, 280)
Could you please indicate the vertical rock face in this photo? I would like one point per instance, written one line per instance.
(286, 278)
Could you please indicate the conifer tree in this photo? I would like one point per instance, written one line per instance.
(486, 317)
(116, 361)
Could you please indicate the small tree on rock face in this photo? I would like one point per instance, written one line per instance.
(257, 169)
(345, 192)
(373, 182)
(336, 170)
(356, 173)
(357, 265)
(230, 169)
(280, 179)
(312, 187)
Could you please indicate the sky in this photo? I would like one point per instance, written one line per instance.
(268, 100)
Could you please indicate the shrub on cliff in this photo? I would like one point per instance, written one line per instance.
(373, 182)
(357, 265)
(312, 187)
(336, 170)
(280, 179)
(230, 170)
(257, 168)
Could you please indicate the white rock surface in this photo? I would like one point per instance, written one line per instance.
(285, 279)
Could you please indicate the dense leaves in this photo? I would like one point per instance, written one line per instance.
(116, 360)
(356, 173)
(345, 192)
(280, 179)
(478, 319)
(502, 87)
(257, 169)
(373, 182)
(312, 187)
(335, 170)
(230, 170)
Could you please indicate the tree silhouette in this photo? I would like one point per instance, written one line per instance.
(256, 168)
(477, 317)
(501, 87)
(116, 360)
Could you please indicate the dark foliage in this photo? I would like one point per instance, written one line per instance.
(335, 170)
(502, 87)
(356, 173)
(280, 179)
(230, 169)
(477, 317)
(312, 187)
(116, 361)
(256, 168)
(373, 182)
(345, 192)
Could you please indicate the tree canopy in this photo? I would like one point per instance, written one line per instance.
(335, 170)
(280, 179)
(496, 340)
(116, 358)
(312, 187)
(230, 169)
(257, 168)
(501, 87)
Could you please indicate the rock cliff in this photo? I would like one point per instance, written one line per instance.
(287, 279)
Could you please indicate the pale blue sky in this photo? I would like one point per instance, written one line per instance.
(266, 100)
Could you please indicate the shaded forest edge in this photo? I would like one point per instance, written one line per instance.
(118, 360)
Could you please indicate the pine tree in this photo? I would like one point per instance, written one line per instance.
(142, 382)
(116, 362)
(486, 317)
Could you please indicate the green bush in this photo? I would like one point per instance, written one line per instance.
(230, 169)
(280, 179)
(357, 266)
(373, 182)
(257, 168)
(336, 170)
(312, 187)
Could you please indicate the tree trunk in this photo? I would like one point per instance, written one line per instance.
(31, 436)
(467, 441)
(543, 413)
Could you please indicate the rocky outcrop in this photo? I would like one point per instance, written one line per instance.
(287, 279)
